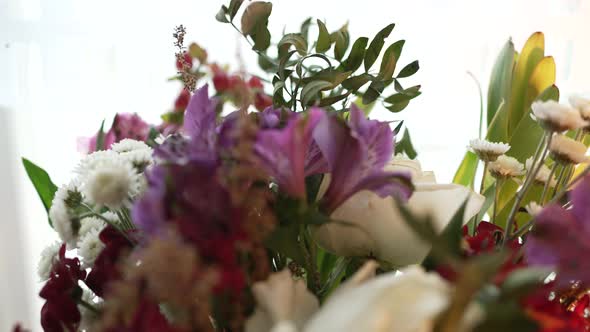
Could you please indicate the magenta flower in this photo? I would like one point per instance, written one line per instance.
(125, 125)
(561, 236)
(283, 152)
(356, 155)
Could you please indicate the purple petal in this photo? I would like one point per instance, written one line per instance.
(270, 118)
(200, 117)
(581, 207)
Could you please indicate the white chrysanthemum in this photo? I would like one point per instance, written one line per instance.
(89, 317)
(65, 223)
(93, 160)
(557, 117)
(567, 150)
(140, 159)
(112, 182)
(48, 257)
(506, 167)
(89, 223)
(90, 246)
(488, 151)
(533, 209)
(582, 105)
(542, 175)
(127, 145)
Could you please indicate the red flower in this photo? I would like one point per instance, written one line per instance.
(182, 100)
(262, 101)
(188, 61)
(147, 318)
(18, 328)
(105, 267)
(60, 311)
(553, 316)
(255, 83)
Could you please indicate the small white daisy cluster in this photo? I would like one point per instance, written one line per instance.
(488, 151)
(543, 175)
(506, 167)
(557, 117)
(104, 189)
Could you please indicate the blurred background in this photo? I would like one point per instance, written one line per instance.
(65, 65)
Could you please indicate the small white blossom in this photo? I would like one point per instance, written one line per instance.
(110, 182)
(90, 223)
(567, 150)
(542, 175)
(533, 209)
(140, 159)
(64, 221)
(488, 151)
(90, 162)
(506, 167)
(557, 117)
(49, 255)
(90, 246)
(128, 145)
(582, 105)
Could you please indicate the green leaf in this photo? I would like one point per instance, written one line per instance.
(100, 138)
(261, 38)
(499, 90)
(407, 94)
(296, 40)
(397, 128)
(357, 53)
(324, 41)
(331, 75)
(311, 90)
(221, 15)
(465, 174)
(176, 118)
(356, 82)
(373, 92)
(398, 107)
(234, 6)
(389, 61)
(333, 99)
(42, 183)
(522, 281)
(406, 146)
(254, 24)
(409, 70)
(305, 28)
(376, 45)
(284, 240)
(265, 64)
(341, 40)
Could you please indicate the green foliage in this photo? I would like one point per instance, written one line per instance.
(100, 138)
(42, 183)
(465, 174)
(376, 45)
(405, 146)
(255, 24)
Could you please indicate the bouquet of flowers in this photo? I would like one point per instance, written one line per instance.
(296, 212)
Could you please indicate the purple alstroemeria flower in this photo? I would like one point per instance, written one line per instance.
(356, 155)
(283, 152)
(561, 237)
(200, 124)
(270, 118)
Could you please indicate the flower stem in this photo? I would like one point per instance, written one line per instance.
(496, 198)
(483, 177)
(88, 306)
(108, 222)
(537, 164)
(548, 183)
(559, 179)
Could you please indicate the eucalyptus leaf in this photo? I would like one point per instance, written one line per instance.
(324, 42)
(42, 182)
(376, 45)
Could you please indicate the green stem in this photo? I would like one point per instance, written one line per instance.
(537, 164)
(496, 198)
(88, 306)
(559, 179)
(483, 177)
(548, 183)
(108, 222)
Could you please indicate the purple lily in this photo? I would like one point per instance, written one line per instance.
(560, 236)
(283, 152)
(356, 155)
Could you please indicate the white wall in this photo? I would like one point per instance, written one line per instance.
(67, 64)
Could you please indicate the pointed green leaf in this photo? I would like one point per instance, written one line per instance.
(376, 45)
(357, 53)
(390, 58)
(100, 138)
(356, 82)
(324, 42)
(465, 174)
(499, 92)
(406, 146)
(42, 183)
(409, 70)
(373, 92)
(398, 107)
(341, 40)
(407, 94)
(254, 24)
(296, 40)
(311, 90)
(221, 15)
(234, 6)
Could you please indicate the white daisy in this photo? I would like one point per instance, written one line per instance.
(582, 105)
(533, 209)
(506, 167)
(543, 173)
(566, 150)
(128, 145)
(488, 151)
(557, 117)
(140, 159)
(63, 219)
(111, 182)
(90, 246)
(49, 255)
(90, 223)
(93, 160)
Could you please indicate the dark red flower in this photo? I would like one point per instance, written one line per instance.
(188, 61)
(105, 267)
(60, 311)
(255, 83)
(182, 100)
(262, 101)
(19, 328)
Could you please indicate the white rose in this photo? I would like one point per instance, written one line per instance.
(373, 226)
(406, 301)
